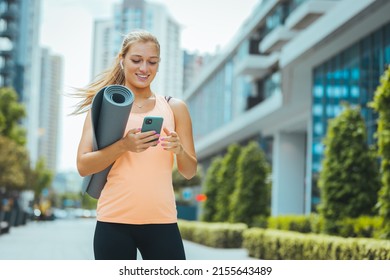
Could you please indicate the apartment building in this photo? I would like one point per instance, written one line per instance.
(20, 60)
(282, 77)
(51, 83)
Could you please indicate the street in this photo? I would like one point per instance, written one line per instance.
(71, 239)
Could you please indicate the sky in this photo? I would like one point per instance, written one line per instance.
(66, 29)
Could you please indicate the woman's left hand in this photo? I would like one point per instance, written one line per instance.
(171, 142)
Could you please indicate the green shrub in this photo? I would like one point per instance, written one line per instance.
(260, 221)
(364, 226)
(218, 235)
(349, 180)
(381, 104)
(298, 223)
(271, 244)
(211, 188)
(227, 179)
(251, 197)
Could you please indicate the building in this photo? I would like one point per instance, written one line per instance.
(9, 22)
(154, 17)
(192, 66)
(102, 55)
(50, 107)
(20, 60)
(282, 77)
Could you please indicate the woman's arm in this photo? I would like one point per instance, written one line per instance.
(90, 162)
(181, 140)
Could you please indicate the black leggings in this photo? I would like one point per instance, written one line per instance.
(114, 241)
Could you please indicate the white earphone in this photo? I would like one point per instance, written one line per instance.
(121, 63)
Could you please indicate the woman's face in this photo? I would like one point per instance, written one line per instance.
(140, 65)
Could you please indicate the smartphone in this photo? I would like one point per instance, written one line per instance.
(152, 123)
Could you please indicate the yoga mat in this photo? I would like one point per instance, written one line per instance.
(110, 112)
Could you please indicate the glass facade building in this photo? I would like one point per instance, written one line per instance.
(213, 102)
(235, 92)
(282, 78)
(351, 76)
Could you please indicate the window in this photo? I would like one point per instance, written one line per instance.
(317, 110)
(351, 76)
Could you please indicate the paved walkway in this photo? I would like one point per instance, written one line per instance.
(71, 239)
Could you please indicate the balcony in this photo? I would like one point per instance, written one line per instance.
(256, 66)
(276, 39)
(307, 13)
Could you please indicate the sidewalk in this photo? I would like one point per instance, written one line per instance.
(71, 239)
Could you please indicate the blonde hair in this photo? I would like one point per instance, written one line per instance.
(113, 75)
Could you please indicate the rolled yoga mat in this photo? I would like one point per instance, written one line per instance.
(110, 112)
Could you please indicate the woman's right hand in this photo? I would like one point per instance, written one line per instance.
(136, 141)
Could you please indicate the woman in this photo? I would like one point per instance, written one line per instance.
(136, 209)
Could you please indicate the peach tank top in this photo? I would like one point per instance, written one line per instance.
(139, 186)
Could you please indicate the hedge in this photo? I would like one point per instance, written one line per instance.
(364, 226)
(218, 235)
(284, 245)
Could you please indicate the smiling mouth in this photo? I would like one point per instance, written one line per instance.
(142, 77)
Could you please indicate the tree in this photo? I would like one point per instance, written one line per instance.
(39, 178)
(13, 154)
(13, 159)
(381, 104)
(227, 178)
(251, 198)
(211, 187)
(11, 112)
(349, 179)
